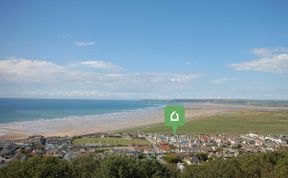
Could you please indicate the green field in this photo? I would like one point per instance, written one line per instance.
(233, 122)
(110, 140)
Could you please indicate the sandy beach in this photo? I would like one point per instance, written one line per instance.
(109, 122)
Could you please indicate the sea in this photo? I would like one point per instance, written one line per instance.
(19, 110)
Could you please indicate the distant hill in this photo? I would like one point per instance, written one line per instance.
(253, 102)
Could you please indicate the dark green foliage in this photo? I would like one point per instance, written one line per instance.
(172, 158)
(153, 169)
(272, 164)
(126, 166)
(86, 166)
(120, 166)
(39, 167)
(202, 156)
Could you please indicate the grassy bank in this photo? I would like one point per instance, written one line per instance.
(233, 122)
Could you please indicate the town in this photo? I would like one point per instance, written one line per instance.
(179, 149)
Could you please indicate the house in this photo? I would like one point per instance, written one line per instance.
(8, 149)
(258, 142)
(253, 135)
(57, 141)
(204, 138)
(36, 140)
(133, 152)
(164, 147)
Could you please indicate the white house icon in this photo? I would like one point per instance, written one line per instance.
(174, 116)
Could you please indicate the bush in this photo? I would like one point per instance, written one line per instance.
(273, 164)
(39, 167)
(172, 158)
(86, 166)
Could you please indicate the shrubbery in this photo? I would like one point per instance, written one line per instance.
(273, 164)
(86, 166)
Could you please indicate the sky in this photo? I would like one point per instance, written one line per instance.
(144, 49)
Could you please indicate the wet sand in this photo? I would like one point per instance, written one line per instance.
(109, 122)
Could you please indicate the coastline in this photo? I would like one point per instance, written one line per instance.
(82, 125)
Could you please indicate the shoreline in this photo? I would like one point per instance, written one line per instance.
(83, 125)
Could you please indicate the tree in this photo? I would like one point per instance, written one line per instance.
(39, 167)
(172, 158)
(86, 166)
(202, 156)
(272, 164)
(120, 167)
(152, 168)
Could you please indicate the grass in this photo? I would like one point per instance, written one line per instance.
(233, 122)
(110, 140)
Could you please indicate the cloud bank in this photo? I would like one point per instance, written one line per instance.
(99, 64)
(219, 81)
(84, 43)
(270, 60)
(45, 78)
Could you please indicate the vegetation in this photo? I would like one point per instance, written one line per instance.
(86, 167)
(38, 167)
(110, 140)
(234, 122)
(172, 158)
(272, 103)
(202, 156)
(272, 164)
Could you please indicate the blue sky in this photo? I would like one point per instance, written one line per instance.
(144, 49)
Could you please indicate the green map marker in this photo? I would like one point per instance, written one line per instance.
(174, 117)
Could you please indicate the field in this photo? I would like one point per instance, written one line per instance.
(233, 122)
(110, 140)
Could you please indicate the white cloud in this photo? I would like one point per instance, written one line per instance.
(219, 81)
(265, 52)
(59, 80)
(13, 69)
(261, 51)
(81, 94)
(183, 78)
(99, 64)
(84, 43)
(271, 60)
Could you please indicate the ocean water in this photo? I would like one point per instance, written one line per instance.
(19, 110)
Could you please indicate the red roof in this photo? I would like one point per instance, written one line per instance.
(164, 143)
(164, 147)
